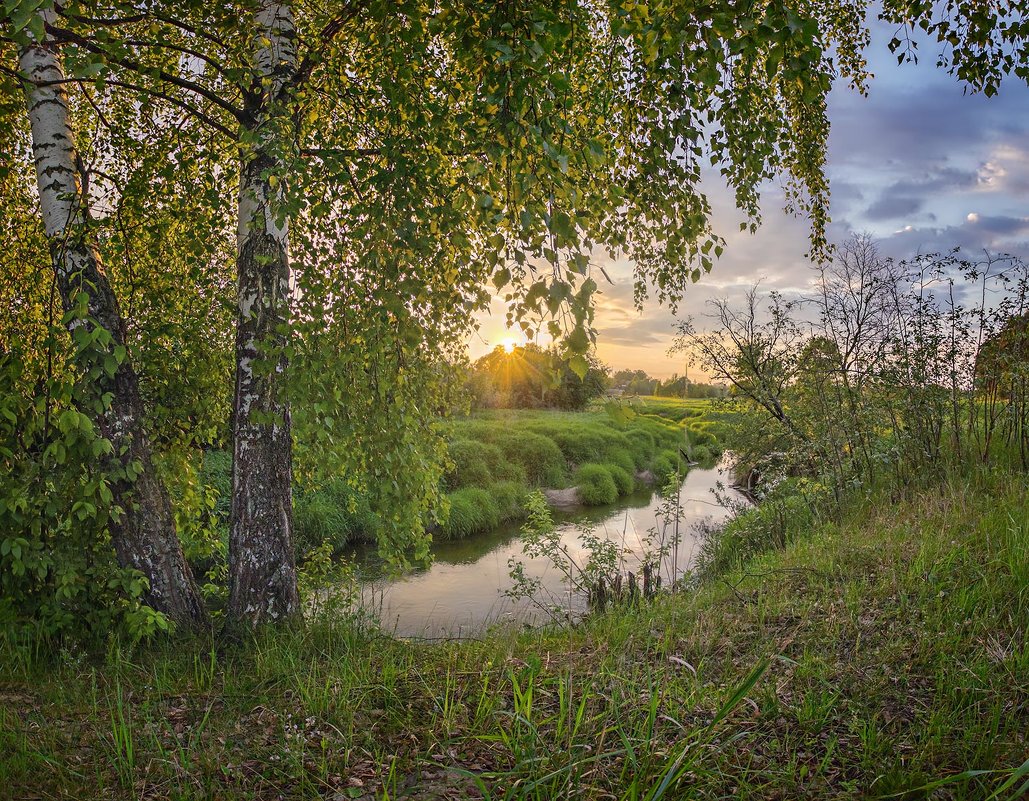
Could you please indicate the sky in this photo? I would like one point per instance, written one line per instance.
(920, 164)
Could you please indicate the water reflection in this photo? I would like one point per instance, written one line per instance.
(462, 591)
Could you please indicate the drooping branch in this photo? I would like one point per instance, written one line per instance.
(63, 35)
(329, 32)
(193, 111)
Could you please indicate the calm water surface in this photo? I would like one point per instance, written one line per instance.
(462, 592)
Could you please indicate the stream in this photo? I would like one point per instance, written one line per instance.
(462, 591)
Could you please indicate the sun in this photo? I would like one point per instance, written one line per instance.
(509, 344)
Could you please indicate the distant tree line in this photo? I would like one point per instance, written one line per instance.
(532, 377)
(637, 382)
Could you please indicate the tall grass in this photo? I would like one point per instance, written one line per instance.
(593, 451)
(883, 653)
(503, 454)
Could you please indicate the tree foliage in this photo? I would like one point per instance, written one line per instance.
(419, 155)
(531, 377)
(980, 43)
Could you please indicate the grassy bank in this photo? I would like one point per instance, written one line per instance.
(499, 456)
(878, 657)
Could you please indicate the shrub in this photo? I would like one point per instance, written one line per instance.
(472, 509)
(716, 428)
(537, 455)
(596, 486)
(334, 513)
(622, 478)
(666, 435)
(316, 519)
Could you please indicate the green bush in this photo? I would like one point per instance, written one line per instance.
(716, 428)
(536, 454)
(596, 485)
(622, 478)
(335, 513)
(472, 510)
(316, 519)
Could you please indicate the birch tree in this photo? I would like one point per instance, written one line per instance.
(262, 569)
(415, 154)
(143, 533)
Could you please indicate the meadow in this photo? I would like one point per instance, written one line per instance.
(880, 655)
(500, 455)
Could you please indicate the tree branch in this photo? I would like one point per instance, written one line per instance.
(191, 110)
(214, 63)
(329, 32)
(65, 35)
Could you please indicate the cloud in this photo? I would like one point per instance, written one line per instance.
(1005, 170)
(999, 224)
(974, 234)
(889, 207)
(905, 197)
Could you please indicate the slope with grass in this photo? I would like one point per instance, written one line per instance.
(886, 655)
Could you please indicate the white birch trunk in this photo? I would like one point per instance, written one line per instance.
(144, 535)
(262, 566)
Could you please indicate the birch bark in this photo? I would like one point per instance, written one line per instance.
(262, 566)
(144, 536)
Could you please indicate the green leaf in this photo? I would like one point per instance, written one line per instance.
(578, 341)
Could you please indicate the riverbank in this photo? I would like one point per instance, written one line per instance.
(590, 458)
(587, 458)
(468, 586)
(875, 657)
